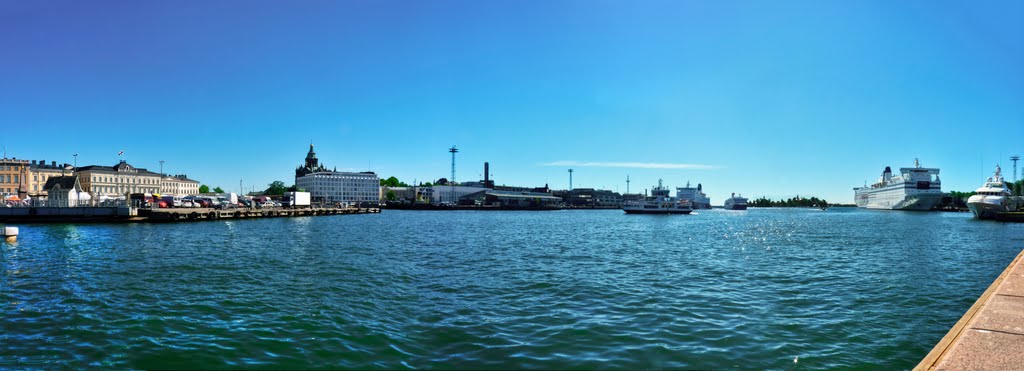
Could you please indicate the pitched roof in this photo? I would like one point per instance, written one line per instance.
(65, 182)
(119, 168)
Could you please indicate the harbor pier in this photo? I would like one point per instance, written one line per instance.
(990, 335)
(124, 214)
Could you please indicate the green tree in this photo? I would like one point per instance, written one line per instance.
(218, 190)
(392, 182)
(390, 196)
(204, 189)
(276, 187)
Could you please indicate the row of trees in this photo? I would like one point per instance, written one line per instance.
(792, 202)
(394, 182)
(206, 189)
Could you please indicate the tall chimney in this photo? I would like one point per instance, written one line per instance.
(487, 175)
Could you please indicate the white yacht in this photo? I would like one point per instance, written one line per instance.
(915, 188)
(736, 203)
(993, 197)
(696, 196)
(659, 202)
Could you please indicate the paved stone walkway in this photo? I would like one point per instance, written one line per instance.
(990, 336)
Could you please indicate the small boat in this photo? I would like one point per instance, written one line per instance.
(736, 203)
(992, 198)
(659, 202)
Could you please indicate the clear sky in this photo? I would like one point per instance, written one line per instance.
(774, 98)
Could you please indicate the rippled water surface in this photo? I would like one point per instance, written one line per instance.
(561, 289)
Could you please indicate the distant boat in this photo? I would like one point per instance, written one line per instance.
(658, 203)
(736, 203)
(992, 198)
(916, 188)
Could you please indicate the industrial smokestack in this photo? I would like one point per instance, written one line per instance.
(487, 175)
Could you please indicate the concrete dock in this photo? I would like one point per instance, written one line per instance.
(990, 336)
(198, 214)
(136, 215)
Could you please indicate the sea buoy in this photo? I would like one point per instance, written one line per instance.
(11, 234)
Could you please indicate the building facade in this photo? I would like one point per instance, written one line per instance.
(449, 195)
(341, 187)
(498, 198)
(178, 185)
(118, 180)
(335, 186)
(65, 191)
(591, 198)
(13, 174)
(408, 194)
(40, 172)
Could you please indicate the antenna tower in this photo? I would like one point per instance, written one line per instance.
(453, 150)
(627, 184)
(1014, 158)
(570, 179)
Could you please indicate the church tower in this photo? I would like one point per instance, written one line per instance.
(311, 160)
(312, 164)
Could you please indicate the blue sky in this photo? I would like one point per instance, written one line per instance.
(762, 98)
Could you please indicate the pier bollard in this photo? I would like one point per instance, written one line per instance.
(11, 234)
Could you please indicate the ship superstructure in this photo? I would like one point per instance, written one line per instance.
(914, 188)
(696, 196)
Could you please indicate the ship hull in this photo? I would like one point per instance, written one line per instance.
(898, 200)
(985, 207)
(736, 207)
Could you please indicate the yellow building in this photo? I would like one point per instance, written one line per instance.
(39, 172)
(13, 177)
(179, 185)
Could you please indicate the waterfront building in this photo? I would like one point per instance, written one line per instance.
(332, 186)
(39, 172)
(589, 197)
(65, 191)
(450, 194)
(419, 194)
(632, 197)
(492, 197)
(179, 185)
(118, 180)
(13, 174)
(408, 194)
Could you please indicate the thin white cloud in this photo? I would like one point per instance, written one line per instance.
(632, 165)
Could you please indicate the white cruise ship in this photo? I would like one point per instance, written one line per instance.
(735, 203)
(696, 196)
(915, 188)
(993, 197)
(658, 202)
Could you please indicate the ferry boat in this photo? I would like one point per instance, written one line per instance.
(736, 203)
(696, 196)
(915, 188)
(659, 202)
(993, 197)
